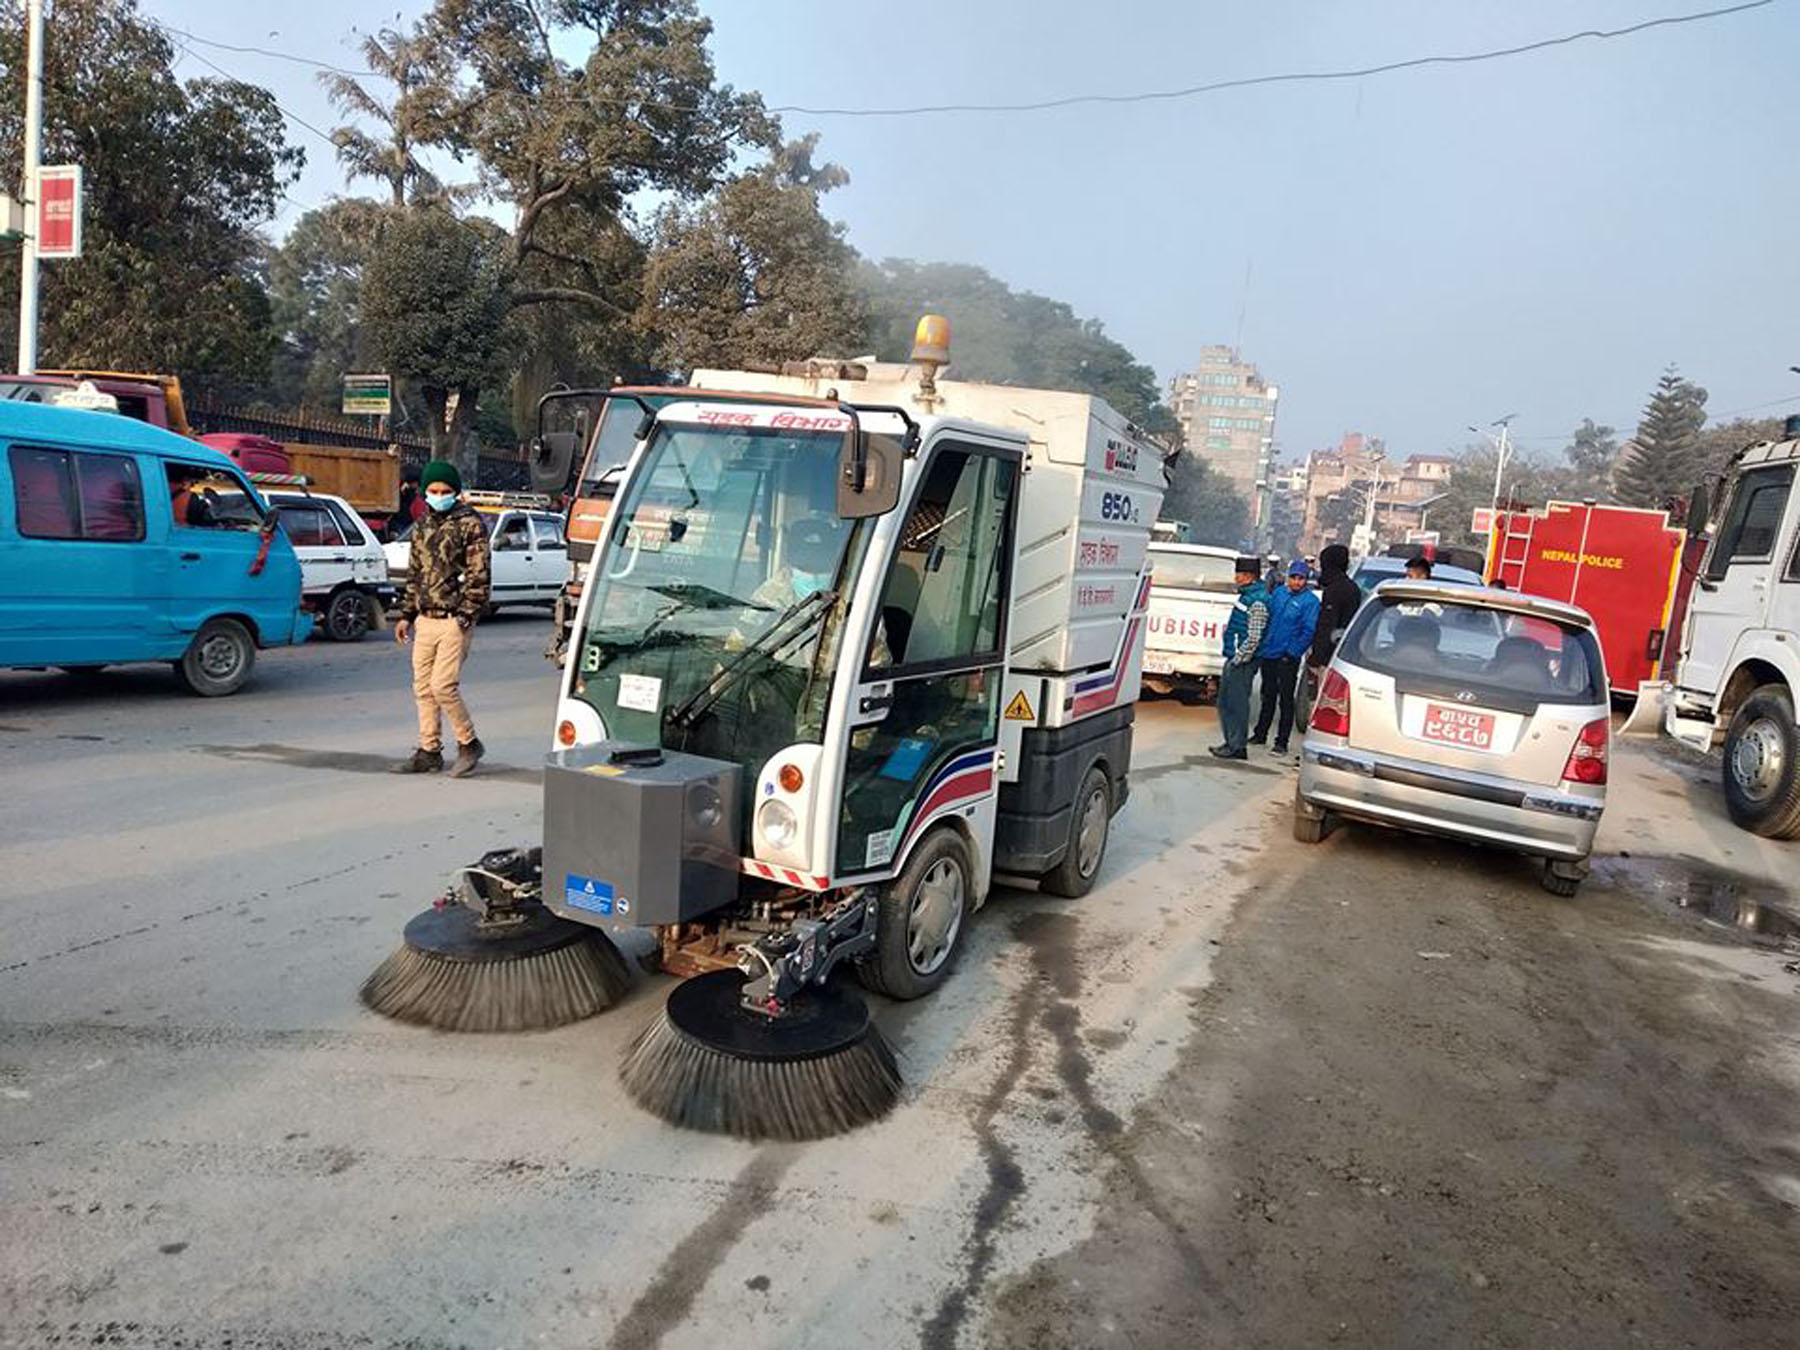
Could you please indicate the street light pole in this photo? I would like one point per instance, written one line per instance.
(34, 133)
(1499, 468)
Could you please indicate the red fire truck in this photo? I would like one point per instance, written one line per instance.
(1619, 563)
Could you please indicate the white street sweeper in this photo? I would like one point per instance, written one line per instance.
(855, 639)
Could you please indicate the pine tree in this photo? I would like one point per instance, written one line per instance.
(1664, 459)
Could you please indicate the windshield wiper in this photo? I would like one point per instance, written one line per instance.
(703, 597)
(796, 618)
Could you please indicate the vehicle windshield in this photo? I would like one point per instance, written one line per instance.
(1371, 572)
(1192, 571)
(1499, 656)
(722, 534)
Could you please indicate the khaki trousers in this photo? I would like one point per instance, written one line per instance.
(439, 646)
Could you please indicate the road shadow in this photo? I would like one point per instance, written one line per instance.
(349, 761)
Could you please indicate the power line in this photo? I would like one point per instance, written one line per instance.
(291, 116)
(1074, 100)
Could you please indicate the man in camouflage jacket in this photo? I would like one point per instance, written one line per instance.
(447, 584)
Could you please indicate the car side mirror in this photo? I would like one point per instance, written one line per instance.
(1697, 511)
(869, 469)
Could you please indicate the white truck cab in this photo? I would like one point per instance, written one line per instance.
(1739, 672)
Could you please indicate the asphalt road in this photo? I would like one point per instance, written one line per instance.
(1378, 1091)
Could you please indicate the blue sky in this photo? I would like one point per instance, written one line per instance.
(1424, 250)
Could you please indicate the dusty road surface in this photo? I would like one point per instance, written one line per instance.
(1376, 1092)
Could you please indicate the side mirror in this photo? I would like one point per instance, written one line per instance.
(552, 460)
(1697, 508)
(869, 468)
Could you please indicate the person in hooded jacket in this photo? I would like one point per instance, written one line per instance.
(1339, 599)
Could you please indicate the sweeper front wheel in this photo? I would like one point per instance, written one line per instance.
(920, 923)
(708, 1063)
(456, 973)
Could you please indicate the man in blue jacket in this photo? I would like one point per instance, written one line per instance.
(1293, 619)
(1243, 639)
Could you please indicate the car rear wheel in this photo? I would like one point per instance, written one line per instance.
(1311, 823)
(1762, 765)
(218, 660)
(349, 616)
(1563, 879)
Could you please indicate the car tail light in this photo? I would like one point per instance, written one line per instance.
(1331, 714)
(1587, 761)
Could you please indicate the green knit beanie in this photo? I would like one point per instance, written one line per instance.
(439, 472)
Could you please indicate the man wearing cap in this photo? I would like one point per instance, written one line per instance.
(1243, 639)
(1293, 617)
(447, 585)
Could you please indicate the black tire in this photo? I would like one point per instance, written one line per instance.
(1762, 765)
(1560, 883)
(348, 616)
(893, 968)
(219, 659)
(1090, 820)
(1308, 829)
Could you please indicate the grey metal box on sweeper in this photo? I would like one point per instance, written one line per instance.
(638, 835)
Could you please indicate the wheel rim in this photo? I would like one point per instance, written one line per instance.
(1090, 840)
(1759, 759)
(935, 917)
(349, 617)
(220, 658)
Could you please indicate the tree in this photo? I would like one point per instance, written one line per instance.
(754, 273)
(1716, 445)
(435, 313)
(407, 120)
(1592, 453)
(315, 295)
(1663, 459)
(177, 178)
(1008, 337)
(1207, 501)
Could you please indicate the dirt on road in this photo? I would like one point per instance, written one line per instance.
(1426, 1104)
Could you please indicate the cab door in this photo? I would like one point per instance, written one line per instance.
(550, 556)
(925, 715)
(514, 578)
(1738, 579)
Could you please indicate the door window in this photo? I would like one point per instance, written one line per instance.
(547, 530)
(349, 524)
(309, 526)
(62, 494)
(202, 498)
(1753, 520)
(514, 535)
(941, 603)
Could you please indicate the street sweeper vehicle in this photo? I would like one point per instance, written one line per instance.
(853, 642)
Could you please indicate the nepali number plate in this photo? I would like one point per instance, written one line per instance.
(1459, 726)
(1157, 664)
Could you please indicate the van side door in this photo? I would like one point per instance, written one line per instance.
(215, 535)
(77, 575)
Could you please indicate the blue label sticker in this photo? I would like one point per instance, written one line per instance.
(585, 893)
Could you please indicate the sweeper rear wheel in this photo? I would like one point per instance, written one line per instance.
(457, 973)
(708, 1063)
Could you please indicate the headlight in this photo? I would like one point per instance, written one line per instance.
(777, 823)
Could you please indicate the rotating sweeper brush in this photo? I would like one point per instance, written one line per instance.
(488, 956)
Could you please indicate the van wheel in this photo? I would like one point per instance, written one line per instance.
(348, 618)
(218, 660)
(1762, 765)
(1089, 825)
(920, 923)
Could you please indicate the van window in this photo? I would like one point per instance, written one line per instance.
(203, 498)
(63, 494)
(309, 526)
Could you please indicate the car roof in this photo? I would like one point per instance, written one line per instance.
(100, 431)
(1201, 550)
(1439, 571)
(1486, 597)
(297, 495)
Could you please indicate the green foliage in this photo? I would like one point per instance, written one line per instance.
(755, 272)
(1207, 501)
(1592, 454)
(177, 179)
(1664, 458)
(406, 120)
(1004, 336)
(315, 293)
(435, 313)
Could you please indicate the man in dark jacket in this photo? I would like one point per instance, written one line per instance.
(447, 583)
(1243, 639)
(1339, 599)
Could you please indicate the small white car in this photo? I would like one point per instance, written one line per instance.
(1193, 588)
(343, 570)
(530, 555)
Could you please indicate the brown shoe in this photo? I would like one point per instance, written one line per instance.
(467, 757)
(422, 761)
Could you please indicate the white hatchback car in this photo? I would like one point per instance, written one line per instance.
(1462, 711)
(343, 570)
(529, 551)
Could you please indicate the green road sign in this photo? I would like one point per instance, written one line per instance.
(368, 395)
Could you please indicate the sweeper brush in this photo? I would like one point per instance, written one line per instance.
(490, 957)
(710, 1063)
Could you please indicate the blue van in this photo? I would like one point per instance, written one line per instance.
(120, 541)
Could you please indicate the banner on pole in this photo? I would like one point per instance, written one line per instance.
(1481, 520)
(59, 211)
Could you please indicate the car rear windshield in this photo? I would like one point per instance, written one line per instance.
(1192, 572)
(1503, 658)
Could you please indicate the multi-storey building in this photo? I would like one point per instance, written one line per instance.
(1227, 415)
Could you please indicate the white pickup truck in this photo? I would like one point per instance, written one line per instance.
(1192, 590)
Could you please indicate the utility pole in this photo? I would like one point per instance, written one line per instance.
(34, 134)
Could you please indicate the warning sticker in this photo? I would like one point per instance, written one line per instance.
(879, 849)
(1019, 710)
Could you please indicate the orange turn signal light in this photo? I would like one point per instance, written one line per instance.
(565, 734)
(790, 778)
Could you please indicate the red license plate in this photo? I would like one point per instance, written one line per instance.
(1459, 726)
